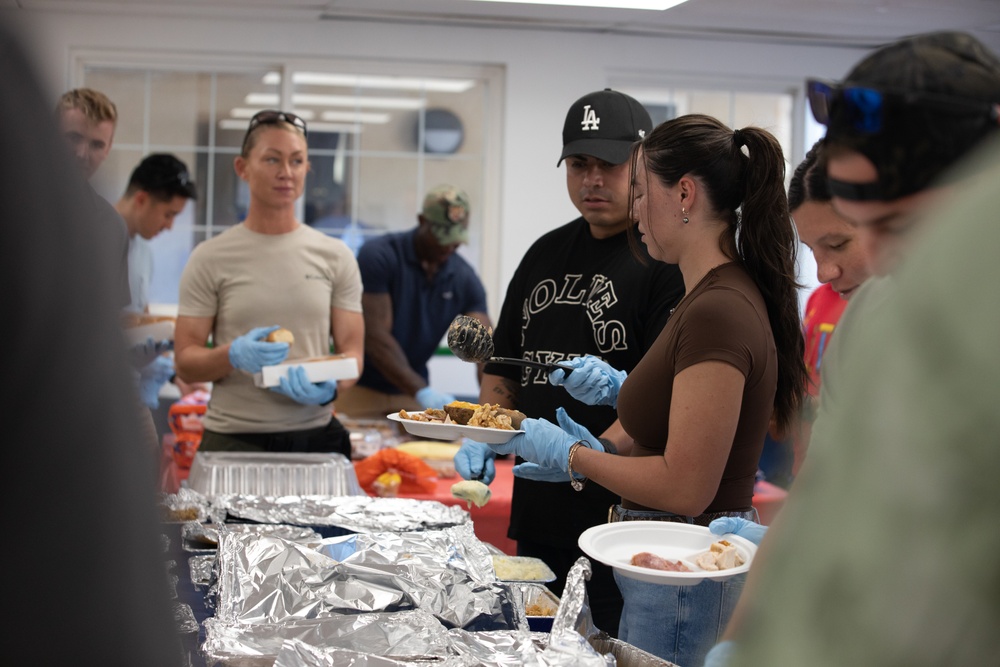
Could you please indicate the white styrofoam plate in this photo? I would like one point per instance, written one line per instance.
(614, 544)
(490, 436)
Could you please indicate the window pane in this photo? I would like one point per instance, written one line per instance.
(388, 196)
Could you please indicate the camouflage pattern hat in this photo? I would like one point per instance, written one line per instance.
(919, 137)
(446, 208)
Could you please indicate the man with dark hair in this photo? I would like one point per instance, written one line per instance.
(873, 559)
(157, 192)
(415, 285)
(587, 287)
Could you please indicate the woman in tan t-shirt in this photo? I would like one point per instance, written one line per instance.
(269, 271)
(697, 406)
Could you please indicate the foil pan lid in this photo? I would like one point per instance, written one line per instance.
(361, 514)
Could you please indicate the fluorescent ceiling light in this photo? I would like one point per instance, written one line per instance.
(613, 4)
(383, 82)
(355, 117)
(301, 99)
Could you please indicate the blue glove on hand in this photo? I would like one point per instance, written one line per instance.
(146, 352)
(474, 460)
(720, 654)
(592, 381)
(152, 377)
(297, 387)
(748, 530)
(429, 398)
(250, 352)
(579, 432)
(545, 446)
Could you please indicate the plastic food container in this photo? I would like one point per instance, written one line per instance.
(273, 474)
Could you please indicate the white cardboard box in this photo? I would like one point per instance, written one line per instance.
(337, 367)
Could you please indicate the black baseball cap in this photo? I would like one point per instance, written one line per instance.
(604, 124)
(163, 174)
(924, 101)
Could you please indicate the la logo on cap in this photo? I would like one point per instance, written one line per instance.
(590, 119)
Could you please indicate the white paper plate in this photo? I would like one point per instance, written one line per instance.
(614, 544)
(491, 436)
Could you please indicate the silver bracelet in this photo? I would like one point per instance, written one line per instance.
(577, 484)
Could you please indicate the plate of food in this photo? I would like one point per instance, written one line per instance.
(486, 423)
(660, 552)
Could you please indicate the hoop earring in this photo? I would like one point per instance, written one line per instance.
(684, 216)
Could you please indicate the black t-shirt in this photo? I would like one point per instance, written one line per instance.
(573, 295)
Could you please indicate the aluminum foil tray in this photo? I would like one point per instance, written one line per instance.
(273, 474)
(359, 514)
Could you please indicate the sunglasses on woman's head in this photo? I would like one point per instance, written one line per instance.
(866, 109)
(272, 117)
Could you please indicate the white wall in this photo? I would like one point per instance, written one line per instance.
(545, 73)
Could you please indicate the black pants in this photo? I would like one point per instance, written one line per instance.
(602, 591)
(330, 438)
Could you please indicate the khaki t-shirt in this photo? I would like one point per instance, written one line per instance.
(244, 279)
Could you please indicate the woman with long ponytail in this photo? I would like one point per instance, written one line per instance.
(697, 407)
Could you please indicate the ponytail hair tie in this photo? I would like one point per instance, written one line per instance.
(738, 138)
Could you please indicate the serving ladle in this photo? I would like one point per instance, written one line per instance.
(471, 340)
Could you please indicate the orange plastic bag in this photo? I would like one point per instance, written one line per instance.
(416, 476)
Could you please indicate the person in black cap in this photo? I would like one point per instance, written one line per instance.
(869, 561)
(157, 192)
(580, 290)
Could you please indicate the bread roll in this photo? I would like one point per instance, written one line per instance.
(281, 336)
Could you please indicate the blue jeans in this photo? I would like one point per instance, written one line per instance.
(677, 623)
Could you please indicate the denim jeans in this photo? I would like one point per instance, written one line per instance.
(677, 623)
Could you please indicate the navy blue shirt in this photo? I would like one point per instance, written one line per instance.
(422, 309)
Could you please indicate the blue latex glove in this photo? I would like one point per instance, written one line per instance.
(474, 459)
(152, 377)
(592, 381)
(297, 387)
(579, 432)
(144, 353)
(430, 398)
(250, 352)
(546, 448)
(748, 530)
(720, 654)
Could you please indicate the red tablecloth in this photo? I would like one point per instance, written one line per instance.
(490, 522)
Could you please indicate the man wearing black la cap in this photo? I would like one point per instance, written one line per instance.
(157, 192)
(580, 289)
(896, 468)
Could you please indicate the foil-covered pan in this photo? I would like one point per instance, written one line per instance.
(400, 634)
(265, 579)
(360, 514)
(204, 536)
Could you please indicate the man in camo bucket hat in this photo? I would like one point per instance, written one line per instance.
(415, 284)
(446, 210)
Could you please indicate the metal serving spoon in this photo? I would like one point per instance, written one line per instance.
(470, 340)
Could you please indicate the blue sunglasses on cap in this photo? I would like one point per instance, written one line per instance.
(866, 109)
